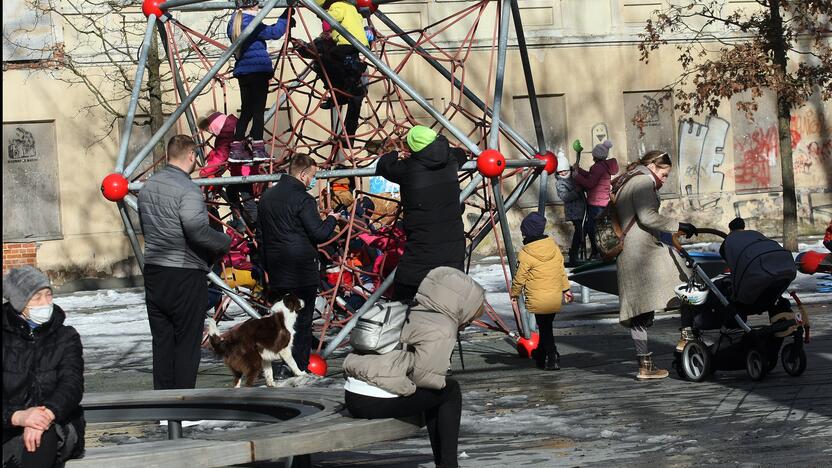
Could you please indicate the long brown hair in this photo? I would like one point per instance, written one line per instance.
(659, 158)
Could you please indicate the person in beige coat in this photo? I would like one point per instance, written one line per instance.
(648, 269)
(542, 277)
(412, 380)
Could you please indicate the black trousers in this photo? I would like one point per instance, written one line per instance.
(304, 340)
(547, 337)
(344, 69)
(442, 410)
(404, 292)
(241, 196)
(177, 299)
(254, 89)
(577, 241)
(15, 454)
(589, 228)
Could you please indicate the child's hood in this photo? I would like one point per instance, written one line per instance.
(543, 250)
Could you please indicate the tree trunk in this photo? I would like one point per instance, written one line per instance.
(154, 84)
(784, 114)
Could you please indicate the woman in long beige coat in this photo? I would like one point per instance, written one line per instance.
(648, 269)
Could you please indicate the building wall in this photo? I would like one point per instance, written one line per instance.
(586, 69)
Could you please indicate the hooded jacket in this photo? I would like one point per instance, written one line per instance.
(430, 193)
(218, 157)
(42, 367)
(596, 181)
(254, 54)
(446, 299)
(541, 276)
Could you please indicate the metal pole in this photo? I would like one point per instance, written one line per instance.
(174, 430)
(387, 71)
(502, 45)
(180, 88)
(134, 95)
(467, 167)
(131, 235)
(541, 203)
(527, 71)
(226, 55)
(513, 134)
(177, 3)
(235, 180)
(247, 308)
(584, 295)
(510, 202)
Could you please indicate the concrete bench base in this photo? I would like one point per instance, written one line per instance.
(327, 428)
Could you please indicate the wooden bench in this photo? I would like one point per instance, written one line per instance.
(322, 425)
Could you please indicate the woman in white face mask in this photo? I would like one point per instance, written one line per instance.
(43, 375)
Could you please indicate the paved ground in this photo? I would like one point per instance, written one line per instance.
(593, 413)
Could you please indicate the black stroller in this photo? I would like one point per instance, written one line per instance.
(738, 345)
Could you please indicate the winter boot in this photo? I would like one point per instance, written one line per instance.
(238, 153)
(553, 361)
(648, 371)
(258, 148)
(686, 336)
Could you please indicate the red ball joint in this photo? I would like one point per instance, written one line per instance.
(491, 163)
(317, 365)
(367, 4)
(525, 346)
(114, 187)
(151, 7)
(551, 162)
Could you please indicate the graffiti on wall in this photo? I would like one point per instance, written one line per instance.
(756, 159)
(811, 146)
(701, 158)
(599, 134)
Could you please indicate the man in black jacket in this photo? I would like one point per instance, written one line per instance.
(435, 234)
(43, 375)
(291, 229)
(180, 245)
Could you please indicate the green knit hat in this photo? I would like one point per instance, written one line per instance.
(420, 136)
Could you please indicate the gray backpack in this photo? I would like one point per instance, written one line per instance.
(379, 330)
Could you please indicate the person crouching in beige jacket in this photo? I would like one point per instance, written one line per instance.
(412, 381)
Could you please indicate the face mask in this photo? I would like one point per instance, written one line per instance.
(311, 183)
(40, 314)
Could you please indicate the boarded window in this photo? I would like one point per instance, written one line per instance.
(553, 119)
(657, 134)
(756, 144)
(31, 193)
(29, 33)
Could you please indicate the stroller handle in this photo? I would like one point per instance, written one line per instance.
(678, 235)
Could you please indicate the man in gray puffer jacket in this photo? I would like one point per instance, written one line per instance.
(180, 246)
(412, 380)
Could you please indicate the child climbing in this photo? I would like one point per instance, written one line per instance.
(542, 278)
(342, 63)
(574, 205)
(597, 184)
(253, 71)
(241, 196)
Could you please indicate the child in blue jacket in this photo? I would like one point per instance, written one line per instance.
(253, 71)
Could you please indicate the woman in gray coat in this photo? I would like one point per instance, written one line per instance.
(648, 269)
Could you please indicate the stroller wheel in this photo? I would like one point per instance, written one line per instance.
(793, 359)
(696, 361)
(756, 365)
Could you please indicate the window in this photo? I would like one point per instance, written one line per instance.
(31, 193)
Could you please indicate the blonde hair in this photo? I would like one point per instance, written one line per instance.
(236, 30)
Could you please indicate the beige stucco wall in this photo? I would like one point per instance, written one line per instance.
(583, 51)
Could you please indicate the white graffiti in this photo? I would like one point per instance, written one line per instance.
(701, 156)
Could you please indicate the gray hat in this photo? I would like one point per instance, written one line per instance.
(20, 284)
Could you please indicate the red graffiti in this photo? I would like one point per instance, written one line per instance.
(753, 156)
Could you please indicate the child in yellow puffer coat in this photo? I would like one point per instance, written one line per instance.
(542, 277)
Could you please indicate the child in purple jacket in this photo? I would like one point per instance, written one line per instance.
(596, 183)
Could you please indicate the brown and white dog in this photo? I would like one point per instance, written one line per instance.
(252, 346)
